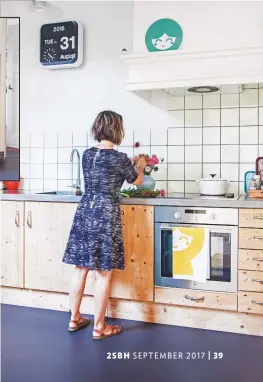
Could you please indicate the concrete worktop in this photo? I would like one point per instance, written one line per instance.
(242, 202)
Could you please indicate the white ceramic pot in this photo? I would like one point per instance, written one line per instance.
(213, 185)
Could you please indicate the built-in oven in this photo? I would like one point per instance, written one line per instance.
(222, 225)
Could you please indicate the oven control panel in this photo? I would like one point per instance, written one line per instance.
(188, 215)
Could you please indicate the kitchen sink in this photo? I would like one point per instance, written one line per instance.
(70, 193)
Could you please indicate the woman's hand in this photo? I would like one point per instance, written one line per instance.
(141, 164)
(134, 160)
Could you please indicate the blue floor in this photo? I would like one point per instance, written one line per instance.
(36, 347)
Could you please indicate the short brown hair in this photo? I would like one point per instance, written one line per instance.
(108, 126)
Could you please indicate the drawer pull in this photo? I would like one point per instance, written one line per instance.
(29, 219)
(257, 258)
(257, 237)
(122, 212)
(256, 302)
(258, 217)
(201, 299)
(17, 219)
(257, 281)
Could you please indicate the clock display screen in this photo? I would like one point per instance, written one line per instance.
(59, 43)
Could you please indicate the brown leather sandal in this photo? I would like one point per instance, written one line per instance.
(80, 324)
(115, 330)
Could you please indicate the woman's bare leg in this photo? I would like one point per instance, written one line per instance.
(77, 287)
(101, 297)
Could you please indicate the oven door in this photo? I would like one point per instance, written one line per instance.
(222, 261)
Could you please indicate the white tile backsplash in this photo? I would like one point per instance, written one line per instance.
(143, 136)
(175, 186)
(229, 171)
(211, 153)
(211, 101)
(248, 153)
(211, 168)
(176, 136)
(248, 116)
(229, 153)
(176, 119)
(36, 171)
(211, 136)
(193, 171)
(248, 134)
(37, 155)
(193, 154)
(50, 171)
(229, 135)
(37, 139)
(230, 117)
(193, 118)
(64, 154)
(175, 172)
(211, 117)
(51, 140)
(193, 136)
(50, 155)
(193, 102)
(229, 100)
(191, 187)
(175, 103)
(24, 155)
(158, 137)
(65, 140)
(176, 154)
(201, 135)
(261, 115)
(260, 97)
(249, 98)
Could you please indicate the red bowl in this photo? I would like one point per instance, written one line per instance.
(11, 186)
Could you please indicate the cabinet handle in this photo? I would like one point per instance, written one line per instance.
(17, 219)
(257, 281)
(29, 219)
(257, 258)
(122, 212)
(194, 298)
(257, 237)
(256, 302)
(258, 217)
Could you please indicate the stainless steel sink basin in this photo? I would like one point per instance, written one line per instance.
(69, 193)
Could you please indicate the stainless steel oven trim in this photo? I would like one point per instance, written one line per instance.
(217, 286)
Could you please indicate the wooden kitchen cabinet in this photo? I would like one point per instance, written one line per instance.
(47, 227)
(250, 238)
(251, 218)
(135, 282)
(250, 281)
(12, 243)
(249, 302)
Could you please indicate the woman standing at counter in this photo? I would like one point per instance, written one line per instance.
(95, 242)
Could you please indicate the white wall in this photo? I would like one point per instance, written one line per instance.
(205, 24)
(67, 100)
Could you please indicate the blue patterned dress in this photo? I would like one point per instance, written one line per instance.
(95, 239)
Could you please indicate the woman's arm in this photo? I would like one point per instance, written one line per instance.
(140, 169)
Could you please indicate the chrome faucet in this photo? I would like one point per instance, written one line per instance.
(77, 185)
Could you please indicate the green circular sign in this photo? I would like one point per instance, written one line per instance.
(163, 34)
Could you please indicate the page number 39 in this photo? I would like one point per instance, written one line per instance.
(218, 355)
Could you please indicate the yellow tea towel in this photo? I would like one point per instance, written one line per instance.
(190, 253)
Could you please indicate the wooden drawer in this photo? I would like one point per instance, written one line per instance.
(249, 302)
(251, 281)
(196, 298)
(251, 218)
(250, 238)
(250, 259)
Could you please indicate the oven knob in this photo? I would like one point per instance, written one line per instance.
(213, 217)
(177, 215)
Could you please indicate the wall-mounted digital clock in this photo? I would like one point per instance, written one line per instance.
(61, 45)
